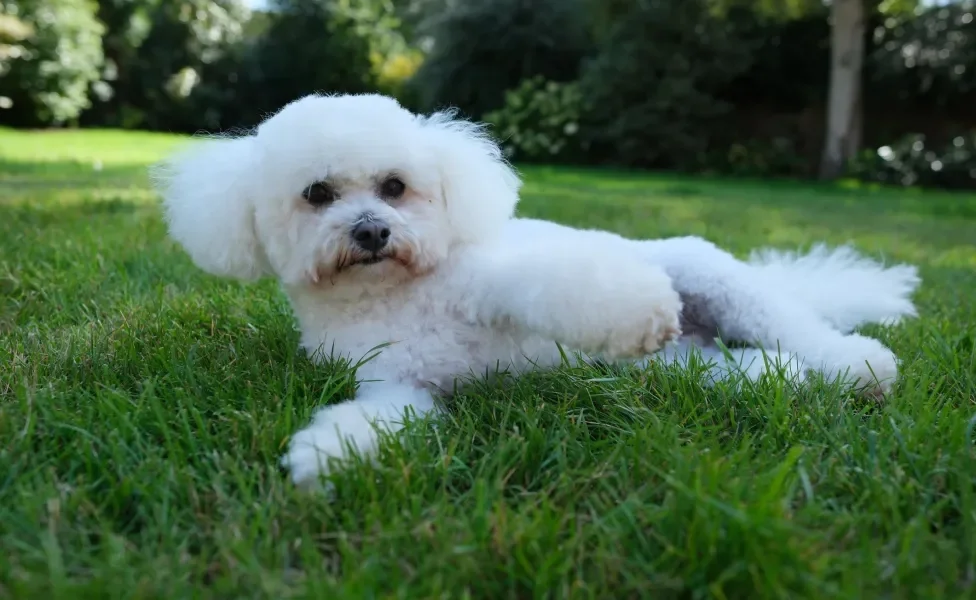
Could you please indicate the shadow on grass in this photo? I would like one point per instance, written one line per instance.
(22, 178)
(40, 215)
(745, 191)
(740, 221)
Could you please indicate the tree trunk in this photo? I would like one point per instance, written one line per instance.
(843, 137)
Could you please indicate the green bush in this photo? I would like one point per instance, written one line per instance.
(482, 49)
(539, 121)
(52, 55)
(912, 160)
(926, 60)
(305, 47)
(157, 52)
(651, 90)
(776, 157)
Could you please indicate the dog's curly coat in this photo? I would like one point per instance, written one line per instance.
(384, 227)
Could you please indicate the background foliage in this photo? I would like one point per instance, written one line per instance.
(51, 53)
(652, 88)
(481, 49)
(726, 86)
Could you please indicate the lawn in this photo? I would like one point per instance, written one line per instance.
(144, 406)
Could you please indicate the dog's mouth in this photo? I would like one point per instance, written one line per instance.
(359, 263)
(356, 261)
(364, 261)
(372, 260)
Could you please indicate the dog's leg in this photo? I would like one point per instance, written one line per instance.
(354, 423)
(730, 364)
(587, 297)
(726, 295)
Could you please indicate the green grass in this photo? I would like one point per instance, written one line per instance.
(144, 406)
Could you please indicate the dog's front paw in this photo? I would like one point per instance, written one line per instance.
(646, 314)
(647, 332)
(334, 431)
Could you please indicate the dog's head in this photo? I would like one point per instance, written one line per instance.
(337, 188)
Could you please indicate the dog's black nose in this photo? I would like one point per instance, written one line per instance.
(371, 234)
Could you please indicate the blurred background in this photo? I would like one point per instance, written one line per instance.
(877, 90)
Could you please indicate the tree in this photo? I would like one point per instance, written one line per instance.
(844, 105)
(845, 95)
(156, 51)
(13, 33)
(127, 24)
(185, 36)
(302, 47)
(55, 56)
(309, 46)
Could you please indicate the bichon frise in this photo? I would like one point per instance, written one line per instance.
(389, 229)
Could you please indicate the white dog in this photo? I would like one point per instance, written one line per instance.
(389, 229)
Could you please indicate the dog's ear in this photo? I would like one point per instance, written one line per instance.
(479, 186)
(209, 208)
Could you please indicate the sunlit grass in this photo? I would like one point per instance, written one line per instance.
(144, 406)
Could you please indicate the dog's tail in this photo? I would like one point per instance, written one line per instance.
(845, 288)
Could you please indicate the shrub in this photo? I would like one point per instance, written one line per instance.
(305, 47)
(776, 157)
(13, 33)
(911, 160)
(482, 49)
(539, 121)
(384, 26)
(651, 89)
(926, 60)
(158, 55)
(53, 52)
(393, 72)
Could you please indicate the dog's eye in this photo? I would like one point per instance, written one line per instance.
(392, 188)
(319, 194)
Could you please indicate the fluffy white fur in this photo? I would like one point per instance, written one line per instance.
(462, 287)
